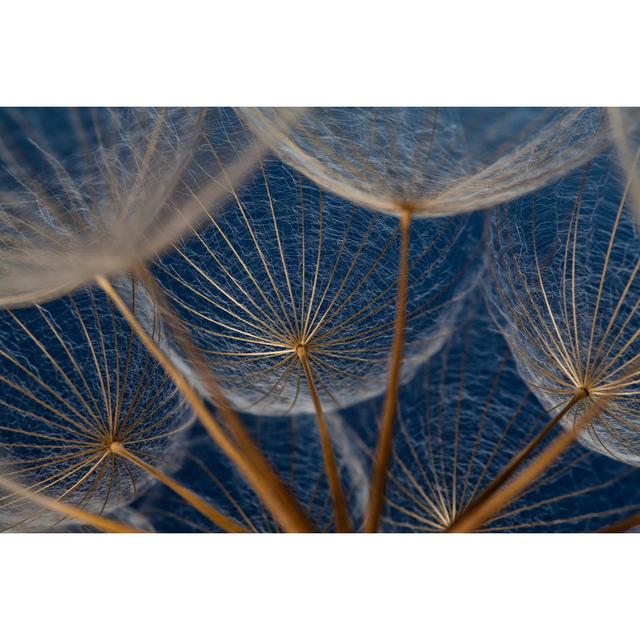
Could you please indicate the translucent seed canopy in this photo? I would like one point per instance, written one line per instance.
(74, 380)
(288, 275)
(432, 161)
(86, 192)
(625, 126)
(293, 447)
(460, 421)
(565, 263)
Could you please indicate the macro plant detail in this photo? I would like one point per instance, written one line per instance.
(198, 336)
(81, 398)
(461, 420)
(110, 189)
(293, 446)
(426, 162)
(287, 290)
(430, 161)
(566, 296)
(92, 192)
(286, 296)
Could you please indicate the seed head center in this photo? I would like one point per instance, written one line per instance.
(114, 446)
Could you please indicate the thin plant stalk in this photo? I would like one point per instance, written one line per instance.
(622, 525)
(473, 519)
(81, 515)
(518, 460)
(260, 476)
(333, 476)
(387, 425)
(248, 447)
(202, 506)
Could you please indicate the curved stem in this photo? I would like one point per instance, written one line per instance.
(516, 462)
(249, 461)
(200, 505)
(339, 502)
(475, 518)
(385, 437)
(86, 517)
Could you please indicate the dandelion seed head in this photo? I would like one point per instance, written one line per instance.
(461, 419)
(566, 294)
(289, 276)
(88, 192)
(76, 384)
(292, 446)
(427, 160)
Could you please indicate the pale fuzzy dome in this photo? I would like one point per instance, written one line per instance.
(460, 421)
(87, 192)
(625, 126)
(567, 294)
(433, 161)
(74, 379)
(293, 448)
(287, 271)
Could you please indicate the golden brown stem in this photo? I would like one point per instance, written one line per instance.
(622, 525)
(516, 462)
(339, 502)
(385, 437)
(232, 421)
(246, 457)
(475, 518)
(99, 522)
(219, 519)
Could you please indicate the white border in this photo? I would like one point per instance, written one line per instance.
(325, 587)
(287, 52)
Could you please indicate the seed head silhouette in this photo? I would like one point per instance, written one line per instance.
(294, 448)
(287, 296)
(566, 295)
(92, 192)
(427, 160)
(460, 422)
(291, 283)
(78, 391)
